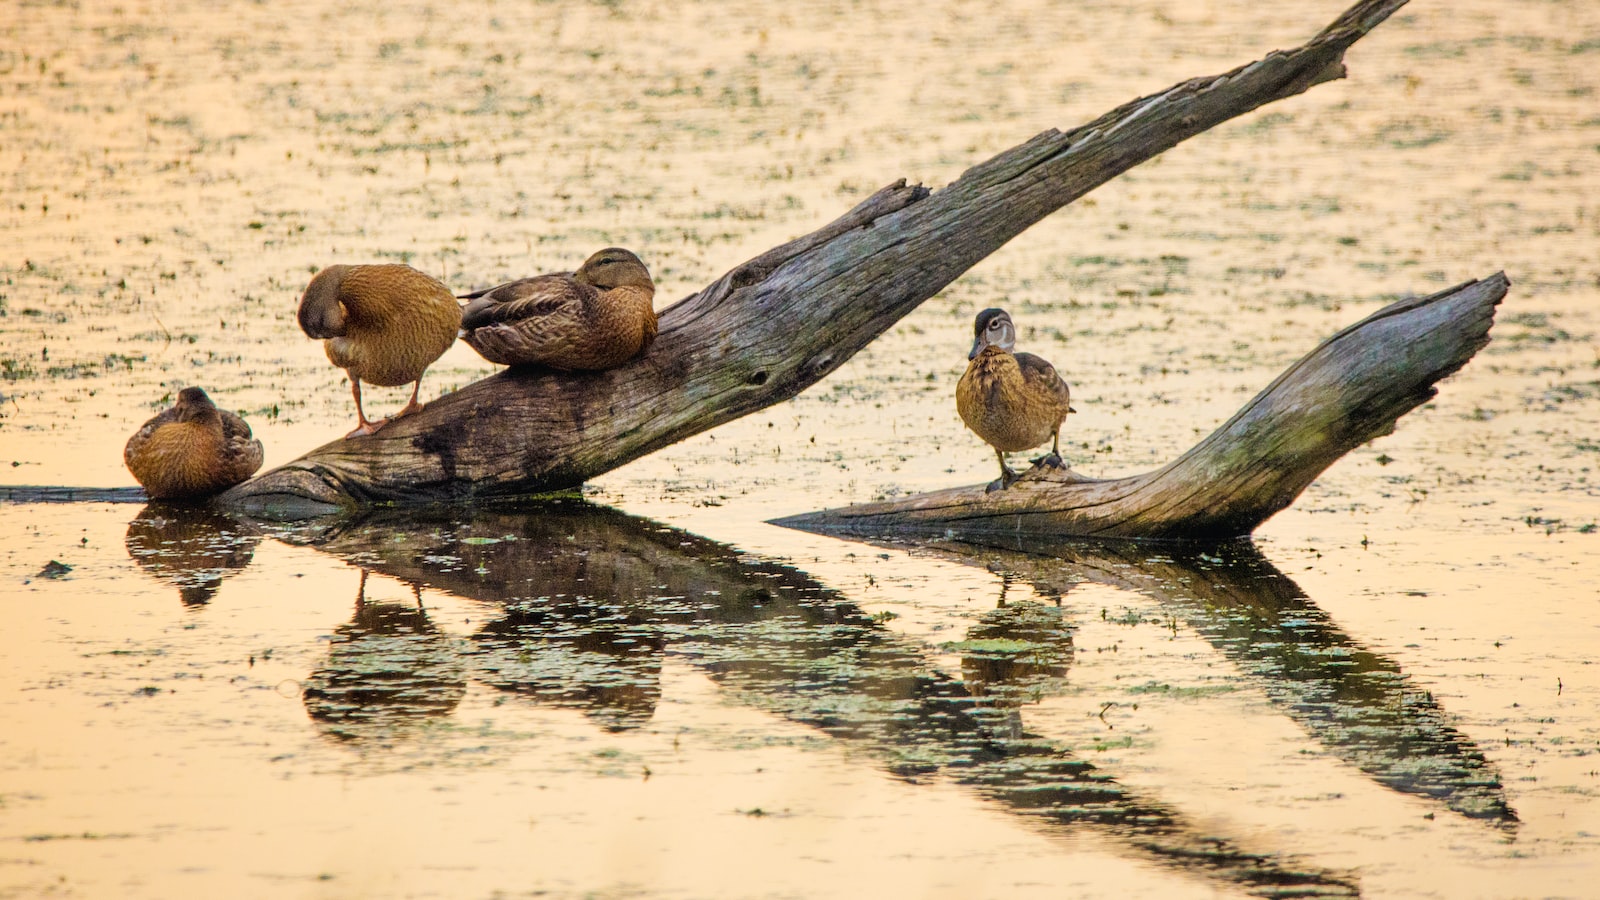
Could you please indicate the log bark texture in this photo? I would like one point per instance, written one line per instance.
(778, 323)
(1347, 391)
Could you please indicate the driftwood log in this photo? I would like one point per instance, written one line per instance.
(778, 323)
(1344, 393)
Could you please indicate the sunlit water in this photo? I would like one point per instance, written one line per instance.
(654, 693)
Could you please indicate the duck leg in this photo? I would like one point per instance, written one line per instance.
(1007, 477)
(364, 426)
(1053, 458)
(411, 406)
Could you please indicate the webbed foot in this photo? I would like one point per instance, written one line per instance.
(1007, 479)
(367, 428)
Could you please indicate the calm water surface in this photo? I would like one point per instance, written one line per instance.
(647, 691)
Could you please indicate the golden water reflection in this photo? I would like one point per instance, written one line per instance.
(387, 668)
(191, 548)
(1358, 704)
(592, 600)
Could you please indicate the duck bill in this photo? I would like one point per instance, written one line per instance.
(978, 344)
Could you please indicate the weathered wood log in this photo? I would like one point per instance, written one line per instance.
(778, 323)
(1347, 391)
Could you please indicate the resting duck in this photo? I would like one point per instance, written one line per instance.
(598, 317)
(192, 450)
(382, 324)
(1013, 401)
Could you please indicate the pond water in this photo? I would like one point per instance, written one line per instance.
(649, 691)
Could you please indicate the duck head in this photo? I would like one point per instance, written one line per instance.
(992, 329)
(193, 405)
(321, 313)
(614, 267)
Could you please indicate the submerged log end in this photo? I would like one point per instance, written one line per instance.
(289, 493)
(1350, 389)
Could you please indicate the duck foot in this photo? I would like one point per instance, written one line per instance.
(1050, 460)
(1006, 479)
(367, 428)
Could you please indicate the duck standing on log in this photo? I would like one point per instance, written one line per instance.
(382, 324)
(1014, 401)
(598, 317)
(192, 450)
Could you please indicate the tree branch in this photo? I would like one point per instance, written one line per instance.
(1347, 391)
(778, 323)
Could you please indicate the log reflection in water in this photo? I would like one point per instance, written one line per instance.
(1357, 703)
(191, 548)
(594, 598)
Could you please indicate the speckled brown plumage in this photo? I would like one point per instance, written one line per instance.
(598, 317)
(1014, 401)
(192, 450)
(382, 324)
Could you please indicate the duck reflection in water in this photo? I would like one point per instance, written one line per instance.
(1017, 653)
(593, 599)
(388, 669)
(575, 654)
(192, 548)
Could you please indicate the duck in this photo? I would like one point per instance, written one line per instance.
(192, 450)
(596, 318)
(1014, 401)
(382, 324)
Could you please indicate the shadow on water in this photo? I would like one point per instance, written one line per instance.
(593, 599)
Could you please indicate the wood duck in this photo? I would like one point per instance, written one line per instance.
(1014, 401)
(598, 317)
(192, 450)
(382, 324)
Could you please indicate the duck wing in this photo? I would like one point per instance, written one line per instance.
(1040, 375)
(243, 451)
(540, 297)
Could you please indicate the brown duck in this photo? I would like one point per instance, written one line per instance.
(598, 317)
(1014, 401)
(192, 450)
(382, 324)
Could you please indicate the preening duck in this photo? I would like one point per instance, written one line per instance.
(382, 324)
(598, 317)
